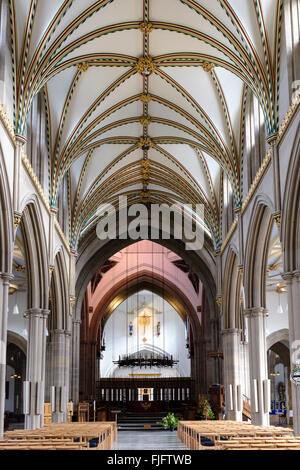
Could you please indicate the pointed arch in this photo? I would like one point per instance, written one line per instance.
(256, 252)
(35, 251)
(231, 291)
(6, 219)
(59, 294)
(146, 280)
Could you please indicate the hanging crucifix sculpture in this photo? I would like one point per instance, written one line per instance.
(145, 318)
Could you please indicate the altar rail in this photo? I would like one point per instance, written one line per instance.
(174, 389)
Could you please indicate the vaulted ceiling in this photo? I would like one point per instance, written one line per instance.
(145, 98)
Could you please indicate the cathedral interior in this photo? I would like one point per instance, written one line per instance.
(149, 222)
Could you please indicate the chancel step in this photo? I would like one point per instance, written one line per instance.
(140, 422)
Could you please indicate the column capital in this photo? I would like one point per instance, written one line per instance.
(256, 312)
(68, 333)
(271, 139)
(240, 269)
(17, 218)
(76, 322)
(289, 276)
(37, 312)
(231, 331)
(6, 277)
(58, 331)
(74, 252)
(277, 218)
(237, 210)
(53, 210)
(20, 139)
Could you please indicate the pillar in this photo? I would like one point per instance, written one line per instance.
(92, 351)
(232, 374)
(67, 364)
(198, 369)
(20, 142)
(4, 285)
(51, 251)
(35, 368)
(259, 382)
(59, 414)
(293, 287)
(75, 361)
(276, 177)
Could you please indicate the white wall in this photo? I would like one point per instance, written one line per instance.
(171, 339)
(276, 321)
(17, 323)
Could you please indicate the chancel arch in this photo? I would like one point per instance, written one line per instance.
(154, 268)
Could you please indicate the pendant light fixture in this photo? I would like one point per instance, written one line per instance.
(16, 308)
(279, 308)
(25, 333)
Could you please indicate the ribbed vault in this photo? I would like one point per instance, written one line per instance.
(145, 98)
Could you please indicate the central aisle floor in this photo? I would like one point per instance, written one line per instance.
(148, 440)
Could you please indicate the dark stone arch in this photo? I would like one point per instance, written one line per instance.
(18, 340)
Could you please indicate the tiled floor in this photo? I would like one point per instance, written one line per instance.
(148, 440)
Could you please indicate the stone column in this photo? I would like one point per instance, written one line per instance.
(259, 382)
(276, 177)
(198, 368)
(293, 287)
(59, 415)
(75, 361)
(4, 285)
(90, 369)
(20, 142)
(48, 372)
(35, 368)
(67, 363)
(232, 374)
(53, 214)
(244, 368)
